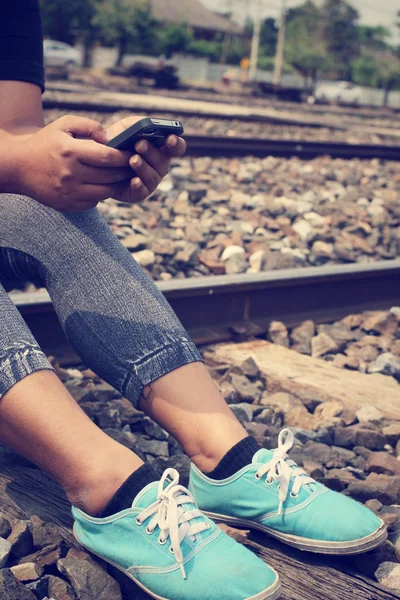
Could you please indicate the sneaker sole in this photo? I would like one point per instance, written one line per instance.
(272, 593)
(307, 544)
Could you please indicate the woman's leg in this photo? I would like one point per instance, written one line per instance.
(121, 325)
(40, 420)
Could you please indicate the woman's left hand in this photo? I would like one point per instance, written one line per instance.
(151, 164)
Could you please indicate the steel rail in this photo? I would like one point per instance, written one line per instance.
(199, 145)
(218, 308)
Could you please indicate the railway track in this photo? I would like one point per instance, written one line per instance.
(235, 146)
(223, 146)
(219, 308)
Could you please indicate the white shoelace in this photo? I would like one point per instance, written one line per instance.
(280, 468)
(171, 517)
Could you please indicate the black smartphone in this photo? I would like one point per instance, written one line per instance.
(153, 130)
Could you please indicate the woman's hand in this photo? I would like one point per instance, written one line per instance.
(149, 163)
(66, 165)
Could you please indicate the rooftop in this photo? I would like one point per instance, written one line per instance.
(192, 13)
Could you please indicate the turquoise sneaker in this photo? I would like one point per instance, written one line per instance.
(277, 497)
(173, 551)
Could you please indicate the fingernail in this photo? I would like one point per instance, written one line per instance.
(172, 141)
(142, 146)
(136, 161)
(136, 182)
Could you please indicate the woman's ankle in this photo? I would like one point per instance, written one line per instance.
(91, 494)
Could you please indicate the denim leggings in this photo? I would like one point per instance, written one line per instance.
(116, 319)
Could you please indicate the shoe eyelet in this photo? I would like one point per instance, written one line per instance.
(269, 482)
(257, 476)
(138, 521)
(149, 531)
(170, 549)
(162, 542)
(293, 495)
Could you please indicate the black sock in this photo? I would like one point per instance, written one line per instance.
(238, 457)
(124, 497)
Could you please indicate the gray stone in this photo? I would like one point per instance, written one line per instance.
(357, 435)
(154, 430)
(388, 574)
(47, 556)
(278, 334)
(369, 413)
(20, 539)
(88, 579)
(323, 344)
(301, 337)
(5, 548)
(368, 562)
(338, 479)
(242, 412)
(180, 462)
(250, 369)
(387, 364)
(374, 505)
(382, 462)
(246, 390)
(12, 589)
(40, 587)
(266, 416)
(5, 527)
(384, 488)
(44, 534)
(27, 571)
(392, 433)
(153, 447)
(60, 589)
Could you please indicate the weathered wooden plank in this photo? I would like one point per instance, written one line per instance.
(308, 576)
(25, 491)
(307, 377)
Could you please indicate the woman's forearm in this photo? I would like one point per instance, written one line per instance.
(21, 115)
(20, 107)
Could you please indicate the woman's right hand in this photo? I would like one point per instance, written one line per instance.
(66, 164)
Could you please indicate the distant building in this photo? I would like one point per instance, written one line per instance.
(204, 23)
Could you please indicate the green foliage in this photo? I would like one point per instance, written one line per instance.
(374, 38)
(342, 35)
(127, 25)
(206, 49)
(306, 47)
(175, 38)
(69, 21)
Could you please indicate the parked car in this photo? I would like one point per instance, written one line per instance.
(61, 57)
(336, 92)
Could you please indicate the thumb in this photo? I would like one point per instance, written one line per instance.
(81, 127)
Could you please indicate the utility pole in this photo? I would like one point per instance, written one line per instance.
(280, 46)
(255, 43)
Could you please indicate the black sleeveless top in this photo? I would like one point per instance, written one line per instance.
(21, 42)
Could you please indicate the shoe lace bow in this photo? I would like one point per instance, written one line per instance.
(171, 517)
(281, 468)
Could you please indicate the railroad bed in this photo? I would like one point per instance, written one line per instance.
(234, 128)
(347, 434)
(251, 215)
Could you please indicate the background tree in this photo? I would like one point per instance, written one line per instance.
(342, 36)
(71, 22)
(306, 47)
(128, 25)
(175, 38)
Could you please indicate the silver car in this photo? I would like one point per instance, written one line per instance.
(60, 56)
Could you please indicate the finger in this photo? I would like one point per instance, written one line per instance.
(149, 176)
(153, 157)
(81, 127)
(90, 192)
(174, 146)
(95, 175)
(98, 155)
(138, 190)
